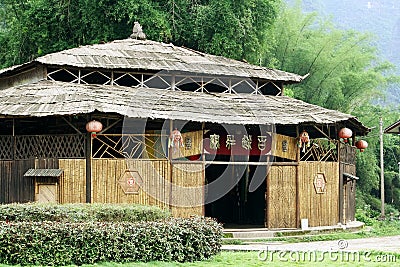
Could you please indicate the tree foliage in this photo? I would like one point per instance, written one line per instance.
(345, 69)
(368, 162)
(235, 29)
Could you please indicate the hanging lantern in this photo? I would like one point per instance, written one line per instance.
(345, 133)
(304, 140)
(361, 144)
(94, 127)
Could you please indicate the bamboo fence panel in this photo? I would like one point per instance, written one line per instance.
(281, 197)
(107, 177)
(72, 187)
(188, 192)
(319, 209)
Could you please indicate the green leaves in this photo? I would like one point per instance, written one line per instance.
(55, 243)
(345, 69)
(236, 29)
(35, 212)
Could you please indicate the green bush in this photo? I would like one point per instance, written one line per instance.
(55, 243)
(34, 212)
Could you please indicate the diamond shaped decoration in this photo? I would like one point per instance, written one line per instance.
(130, 182)
(320, 183)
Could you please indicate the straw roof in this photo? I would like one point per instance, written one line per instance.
(47, 98)
(133, 54)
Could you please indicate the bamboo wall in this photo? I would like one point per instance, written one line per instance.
(189, 191)
(107, 173)
(155, 187)
(283, 208)
(281, 197)
(72, 183)
(319, 209)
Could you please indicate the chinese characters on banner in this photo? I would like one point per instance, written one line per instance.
(238, 145)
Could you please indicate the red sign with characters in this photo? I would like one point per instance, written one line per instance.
(239, 144)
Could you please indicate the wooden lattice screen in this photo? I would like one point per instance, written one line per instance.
(42, 146)
(6, 147)
(130, 146)
(320, 150)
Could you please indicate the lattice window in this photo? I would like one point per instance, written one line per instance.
(320, 150)
(130, 146)
(6, 147)
(49, 146)
(163, 80)
(63, 75)
(95, 77)
(127, 79)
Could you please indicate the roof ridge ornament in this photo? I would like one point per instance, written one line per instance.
(137, 32)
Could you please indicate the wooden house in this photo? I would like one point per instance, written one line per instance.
(183, 130)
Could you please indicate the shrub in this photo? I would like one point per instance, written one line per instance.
(34, 212)
(55, 243)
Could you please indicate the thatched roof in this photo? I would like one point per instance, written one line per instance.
(46, 98)
(132, 54)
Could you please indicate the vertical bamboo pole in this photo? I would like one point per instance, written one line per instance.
(341, 188)
(382, 169)
(88, 165)
(297, 181)
(204, 168)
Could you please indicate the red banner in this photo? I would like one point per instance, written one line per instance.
(237, 144)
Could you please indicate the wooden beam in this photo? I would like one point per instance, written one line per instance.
(110, 126)
(324, 134)
(70, 124)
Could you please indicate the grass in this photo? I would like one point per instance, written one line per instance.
(253, 259)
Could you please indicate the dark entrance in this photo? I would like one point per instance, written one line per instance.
(238, 206)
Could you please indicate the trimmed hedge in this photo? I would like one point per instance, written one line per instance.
(34, 212)
(54, 243)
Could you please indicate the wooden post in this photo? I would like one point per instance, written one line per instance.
(341, 188)
(204, 166)
(382, 169)
(88, 168)
(171, 171)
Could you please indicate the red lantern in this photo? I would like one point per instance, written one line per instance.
(361, 144)
(94, 127)
(345, 133)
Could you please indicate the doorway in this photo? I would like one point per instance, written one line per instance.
(238, 207)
